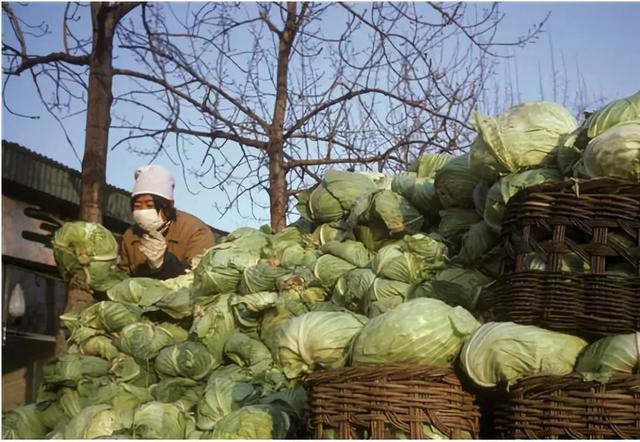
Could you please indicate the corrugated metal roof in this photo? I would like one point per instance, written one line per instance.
(38, 172)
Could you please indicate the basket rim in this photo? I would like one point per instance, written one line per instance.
(399, 371)
(573, 381)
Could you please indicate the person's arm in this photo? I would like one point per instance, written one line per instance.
(124, 262)
(201, 241)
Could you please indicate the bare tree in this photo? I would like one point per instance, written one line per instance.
(276, 92)
(85, 65)
(94, 57)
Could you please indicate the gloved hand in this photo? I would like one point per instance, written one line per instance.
(154, 246)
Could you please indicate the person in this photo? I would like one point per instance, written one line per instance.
(164, 241)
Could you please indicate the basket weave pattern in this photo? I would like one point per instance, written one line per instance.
(598, 221)
(590, 306)
(569, 408)
(376, 401)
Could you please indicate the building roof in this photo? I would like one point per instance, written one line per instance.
(35, 171)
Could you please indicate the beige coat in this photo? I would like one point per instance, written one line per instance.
(187, 237)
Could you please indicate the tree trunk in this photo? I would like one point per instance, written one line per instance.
(278, 198)
(99, 100)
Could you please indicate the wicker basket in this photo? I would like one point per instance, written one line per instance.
(569, 408)
(598, 221)
(590, 306)
(391, 401)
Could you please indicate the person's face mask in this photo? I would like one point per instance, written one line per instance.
(148, 219)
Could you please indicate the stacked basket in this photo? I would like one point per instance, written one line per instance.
(584, 242)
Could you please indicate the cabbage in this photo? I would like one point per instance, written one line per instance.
(315, 340)
(244, 238)
(100, 346)
(156, 420)
(221, 397)
(187, 359)
(214, 324)
(523, 137)
(427, 165)
(431, 248)
(330, 232)
(248, 352)
(385, 294)
(459, 286)
(615, 153)
(613, 355)
(353, 252)
(374, 235)
(23, 423)
(92, 422)
(393, 262)
(297, 256)
(454, 225)
(69, 369)
(144, 340)
(220, 269)
(260, 278)
(248, 308)
(252, 422)
(138, 291)
(504, 189)
(396, 212)
(614, 113)
(90, 249)
(421, 331)
(329, 268)
(114, 316)
(351, 288)
(506, 352)
(454, 184)
(331, 199)
(420, 192)
(479, 240)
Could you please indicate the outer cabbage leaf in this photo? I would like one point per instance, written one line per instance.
(613, 355)
(523, 137)
(505, 352)
(420, 331)
(315, 340)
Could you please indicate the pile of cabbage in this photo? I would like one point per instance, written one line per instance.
(378, 269)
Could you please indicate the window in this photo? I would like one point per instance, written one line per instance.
(44, 297)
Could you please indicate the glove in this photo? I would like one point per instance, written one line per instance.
(154, 246)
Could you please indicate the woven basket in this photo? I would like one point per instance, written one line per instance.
(589, 306)
(597, 221)
(569, 408)
(389, 402)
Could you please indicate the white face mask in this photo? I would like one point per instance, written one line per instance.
(148, 219)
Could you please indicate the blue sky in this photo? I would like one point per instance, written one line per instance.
(600, 44)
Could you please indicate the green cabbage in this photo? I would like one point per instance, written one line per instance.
(252, 422)
(421, 331)
(420, 192)
(92, 422)
(213, 324)
(454, 184)
(353, 252)
(114, 316)
(393, 262)
(186, 359)
(221, 397)
(613, 355)
(508, 186)
(329, 268)
(247, 309)
(454, 225)
(396, 212)
(70, 369)
(157, 420)
(220, 269)
(90, 249)
(476, 243)
(260, 278)
(23, 423)
(523, 137)
(138, 291)
(615, 153)
(315, 340)
(427, 165)
(100, 346)
(144, 340)
(351, 288)
(610, 115)
(458, 286)
(506, 352)
(331, 200)
(330, 232)
(248, 352)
